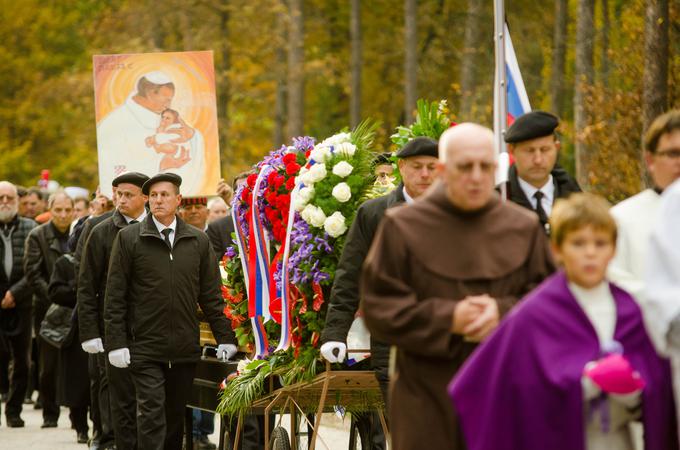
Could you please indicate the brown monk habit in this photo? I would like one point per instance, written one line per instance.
(425, 258)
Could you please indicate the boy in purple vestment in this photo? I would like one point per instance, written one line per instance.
(572, 366)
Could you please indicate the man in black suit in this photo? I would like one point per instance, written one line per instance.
(535, 180)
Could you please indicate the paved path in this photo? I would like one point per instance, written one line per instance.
(334, 433)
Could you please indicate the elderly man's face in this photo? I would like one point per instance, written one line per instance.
(469, 174)
(535, 159)
(62, 212)
(196, 215)
(9, 202)
(664, 165)
(417, 173)
(217, 211)
(164, 201)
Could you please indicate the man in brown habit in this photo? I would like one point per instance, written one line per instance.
(439, 276)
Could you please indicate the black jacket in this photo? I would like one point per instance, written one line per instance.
(151, 294)
(73, 380)
(17, 283)
(42, 250)
(88, 226)
(565, 185)
(219, 233)
(94, 267)
(344, 300)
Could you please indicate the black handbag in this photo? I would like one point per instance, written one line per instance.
(57, 327)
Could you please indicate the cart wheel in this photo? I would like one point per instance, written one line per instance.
(279, 439)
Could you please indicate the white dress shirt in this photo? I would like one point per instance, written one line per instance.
(407, 197)
(162, 227)
(548, 190)
(129, 219)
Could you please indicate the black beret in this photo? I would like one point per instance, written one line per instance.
(382, 158)
(187, 201)
(171, 177)
(532, 125)
(9, 322)
(420, 146)
(136, 178)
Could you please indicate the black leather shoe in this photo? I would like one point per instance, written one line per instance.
(49, 423)
(82, 437)
(15, 422)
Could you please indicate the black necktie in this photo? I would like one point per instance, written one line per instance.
(134, 221)
(166, 235)
(542, 216)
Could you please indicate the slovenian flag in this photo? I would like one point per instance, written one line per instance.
(518, 100)
(517, 103)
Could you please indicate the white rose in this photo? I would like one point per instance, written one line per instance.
(306, 213)
(346, 149)
(320, 154)
(317, 217)
(337, 139)
(335, 224)
(342, 192)
(316, 173)
(342, 169)
(303, 197)
(301, 176)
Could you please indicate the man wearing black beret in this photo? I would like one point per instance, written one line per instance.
(417, 163)
(160, 269)
(535, 181)
(116, 394)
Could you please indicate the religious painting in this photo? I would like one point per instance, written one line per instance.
(156, 112)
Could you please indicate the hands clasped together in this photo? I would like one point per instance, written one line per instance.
(475, 317)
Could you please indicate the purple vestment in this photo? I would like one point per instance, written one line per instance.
(521, 389)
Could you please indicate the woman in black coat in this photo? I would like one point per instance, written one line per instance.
(73, 385)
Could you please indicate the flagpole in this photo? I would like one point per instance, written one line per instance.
(500, 92)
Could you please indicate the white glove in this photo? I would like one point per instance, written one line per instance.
(226, 351)
(93, 345)
(120, 357)
(328, 351)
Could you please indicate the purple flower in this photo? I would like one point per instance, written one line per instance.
(303, 143)
(231, 252)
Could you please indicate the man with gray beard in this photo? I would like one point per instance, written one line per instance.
(15, 295)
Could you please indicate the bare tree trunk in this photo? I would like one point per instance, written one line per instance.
(655, 75)
(583, 80)
(355, 63)
(559, 56)
(224, 85)
(280, 105)
(411, 59)
(471, 45)
(296, 88)
(604, 43)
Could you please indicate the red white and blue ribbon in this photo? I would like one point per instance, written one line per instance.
(284, 292)
(259, 289)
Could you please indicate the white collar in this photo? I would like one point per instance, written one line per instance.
(407, 197)
(145, 117)
(162, 227)
(129, 219)
(548, 189)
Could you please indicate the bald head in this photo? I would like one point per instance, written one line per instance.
(9, 201)
(467, 165)
(465, 135)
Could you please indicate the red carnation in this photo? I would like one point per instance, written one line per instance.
(290, 184)
(271, 177)
(279, 180)
(289, 158)
(252, 178)
(292, 169)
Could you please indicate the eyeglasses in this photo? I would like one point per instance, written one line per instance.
(7, 198)
(670, 154)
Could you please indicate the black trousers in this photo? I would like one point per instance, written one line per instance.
(95, 413)
(78, 418)
(20, 355)
(163, 391)
(122, 404)
(48, 379)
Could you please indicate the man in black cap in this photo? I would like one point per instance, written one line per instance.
(15, 299)
(417, 164)
(160, 269)
(535, 181)
(116, 394)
